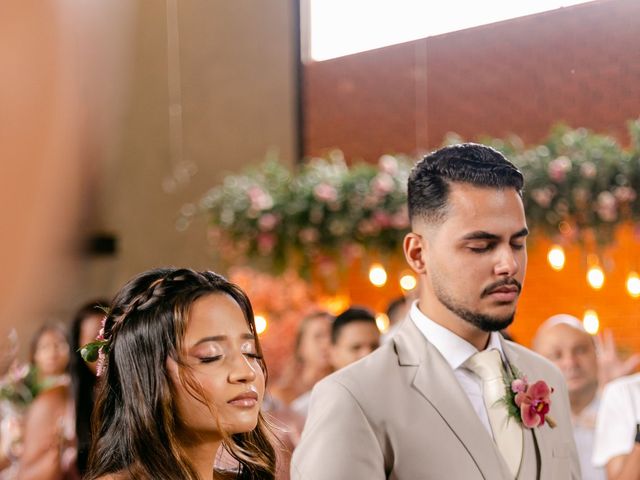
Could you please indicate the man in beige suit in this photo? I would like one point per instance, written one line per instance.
(423, 405)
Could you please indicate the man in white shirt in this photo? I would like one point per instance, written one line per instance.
(424, 405)
(617, 440)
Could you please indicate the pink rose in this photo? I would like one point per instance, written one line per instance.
(325, 193)
(388, 164)
(534, 404)
(267, 222)
(260, 200)
(266, 243)
(382, 184)
(558, 168)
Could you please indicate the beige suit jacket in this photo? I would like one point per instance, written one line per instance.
(400, 413)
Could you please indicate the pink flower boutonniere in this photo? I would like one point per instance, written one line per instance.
(528, 403)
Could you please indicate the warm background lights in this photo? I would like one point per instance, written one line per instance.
(591, 322)
(595, 277)
(556, 257)
(377, 275)
(261, 324)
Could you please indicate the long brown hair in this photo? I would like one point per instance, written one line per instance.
(135, 427)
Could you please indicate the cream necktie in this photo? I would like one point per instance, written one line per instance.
(507, 432)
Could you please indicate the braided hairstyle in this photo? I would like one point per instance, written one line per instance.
(134, 422)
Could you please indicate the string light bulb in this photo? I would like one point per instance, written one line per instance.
(556, 257)
(382, 322)
(408, 282)
(591, 322)
(633, 284)
(595, 277)
(377, 275)
(261, 324)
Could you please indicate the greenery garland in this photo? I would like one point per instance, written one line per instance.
(579, 187)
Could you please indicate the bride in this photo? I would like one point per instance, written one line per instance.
(183, 375)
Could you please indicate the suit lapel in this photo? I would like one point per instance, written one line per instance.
(436, 382)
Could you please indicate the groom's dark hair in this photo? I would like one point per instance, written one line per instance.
(471, 163)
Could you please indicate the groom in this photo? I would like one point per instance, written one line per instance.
(428, 404)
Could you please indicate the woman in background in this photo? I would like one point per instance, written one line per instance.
(48, 437)
(85, 327)
(183, 377)
(310, 361)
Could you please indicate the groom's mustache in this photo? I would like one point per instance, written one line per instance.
(501, 283)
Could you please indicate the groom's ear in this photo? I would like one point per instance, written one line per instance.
(414, 246)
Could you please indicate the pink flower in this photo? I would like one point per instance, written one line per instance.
(542, 196)
(260, 200)
(101, 365)
(388, 164)
(558, 169)
(308, 235)
(325, 193)
(381, 219)
(100, 336)
(382, 184)
(534, 404)
(519, 385)
(588, 170)
(267, 222)
(266, 243)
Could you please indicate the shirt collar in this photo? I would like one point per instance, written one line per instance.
(455, 350)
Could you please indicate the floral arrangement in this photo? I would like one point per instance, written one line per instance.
(528, 403)
(579, 187)
(327, 209)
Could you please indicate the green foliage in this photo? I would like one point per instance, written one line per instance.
(579, 186)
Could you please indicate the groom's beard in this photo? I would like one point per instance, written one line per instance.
(486, 323)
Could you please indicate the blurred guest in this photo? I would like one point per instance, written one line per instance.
(617, 438)
(586, 363)
(48, 438)
(397, 310)
(85, 327)
(50, 354)
(354, 334)
(311, 358)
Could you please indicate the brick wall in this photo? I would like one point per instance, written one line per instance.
(580, 65)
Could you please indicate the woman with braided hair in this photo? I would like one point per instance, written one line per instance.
(182, 375)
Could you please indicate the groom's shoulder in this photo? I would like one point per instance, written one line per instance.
(374, 370)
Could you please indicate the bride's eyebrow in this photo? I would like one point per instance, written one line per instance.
(218, 338)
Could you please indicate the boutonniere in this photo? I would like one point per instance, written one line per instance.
(528, 403)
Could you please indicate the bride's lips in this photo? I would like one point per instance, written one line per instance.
(248, 399)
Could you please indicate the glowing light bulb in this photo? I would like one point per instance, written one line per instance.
(261, 324)
(408, 282)
(377, 275)
(556, 257)
(633, 284)
(382, 322)
(595, 277)
(591, 322)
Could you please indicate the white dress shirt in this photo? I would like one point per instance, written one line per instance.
(618, 414)
(456, 351)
